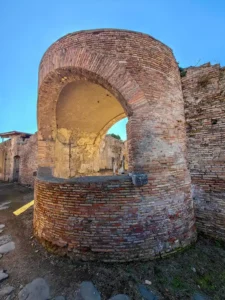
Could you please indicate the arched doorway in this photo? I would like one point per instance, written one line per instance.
(88, 81)
(84, 113)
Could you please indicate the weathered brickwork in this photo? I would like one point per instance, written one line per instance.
(204, 96)
(111, 153)
(26, 151)
(5, 160)
(108, 218)
(28, 165)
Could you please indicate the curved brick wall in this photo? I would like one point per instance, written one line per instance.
(113, 218)
(108, 218)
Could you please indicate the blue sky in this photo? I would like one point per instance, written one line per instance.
(194, 29)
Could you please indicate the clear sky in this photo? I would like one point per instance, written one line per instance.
(194, 29)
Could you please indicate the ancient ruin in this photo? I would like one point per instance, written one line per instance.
(89, 80)
(174, 154)
(18, 157)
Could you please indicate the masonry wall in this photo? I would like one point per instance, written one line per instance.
(110, 148)
(28, 160)
(142, 74)
(26, 150)
(5, 160)
(204, 96)
(105, 218)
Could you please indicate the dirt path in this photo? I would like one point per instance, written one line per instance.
(201, 268)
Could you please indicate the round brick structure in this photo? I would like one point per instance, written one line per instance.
(88, 80)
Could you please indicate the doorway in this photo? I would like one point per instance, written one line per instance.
(16, 168)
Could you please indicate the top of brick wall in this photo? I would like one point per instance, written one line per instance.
(104, 31)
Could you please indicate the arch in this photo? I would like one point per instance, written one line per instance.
(84, 112)
(100, 69)
(116, 218)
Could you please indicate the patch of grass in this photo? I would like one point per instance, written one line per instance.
(206, 282)
(116, 136)
(162, 280)
(183, 72)
(220, 244)
(177, 283)
(222, 276)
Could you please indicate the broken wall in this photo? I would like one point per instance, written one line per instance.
(26, 150)
(28, 160)
(5, 160)
(111, 149)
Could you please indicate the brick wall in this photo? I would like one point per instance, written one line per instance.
(108, 218)
(28, 160)
(110, 148)
(204, 96)
(26, 150)
(5, 160)
(137, 69)
(142, 74)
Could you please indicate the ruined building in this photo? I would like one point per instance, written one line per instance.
(18, 157)
(174, 157)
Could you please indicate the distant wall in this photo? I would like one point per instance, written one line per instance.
(25, 149)
(204, 96)
(28, 156)
(110, 149)
(5, 160)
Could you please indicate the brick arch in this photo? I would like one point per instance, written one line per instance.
(80, 64)
(117, 218)
(104, 130)
(98, 68)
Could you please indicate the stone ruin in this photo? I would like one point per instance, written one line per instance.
(18, 157)
(175, 151)
(88, 81)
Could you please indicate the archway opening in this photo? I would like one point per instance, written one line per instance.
(84, 113)
(114, 154)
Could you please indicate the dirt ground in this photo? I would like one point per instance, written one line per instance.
(201, 268)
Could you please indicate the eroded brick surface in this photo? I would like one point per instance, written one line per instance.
(204, 96)
(110, 219)
(26, 151)
(114, 220)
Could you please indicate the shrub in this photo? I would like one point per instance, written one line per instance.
(116, 136)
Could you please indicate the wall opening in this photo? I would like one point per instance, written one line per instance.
(85, 112)
(114, 148)
(16, 168)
